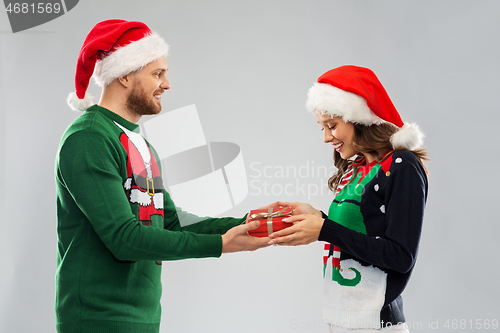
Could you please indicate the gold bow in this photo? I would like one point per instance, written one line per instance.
(287, 211)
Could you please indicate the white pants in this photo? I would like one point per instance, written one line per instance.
(401, 328)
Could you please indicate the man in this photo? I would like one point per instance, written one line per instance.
(115, 222)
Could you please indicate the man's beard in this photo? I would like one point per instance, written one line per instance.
(138, 102)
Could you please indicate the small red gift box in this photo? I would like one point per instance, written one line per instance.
(271, 220)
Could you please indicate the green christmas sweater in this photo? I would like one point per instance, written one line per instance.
(373, 230)
(115, 224)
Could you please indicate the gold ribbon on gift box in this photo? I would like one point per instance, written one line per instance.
(287, 211)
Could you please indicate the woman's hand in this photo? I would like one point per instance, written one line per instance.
(305, 230)
(300, 208)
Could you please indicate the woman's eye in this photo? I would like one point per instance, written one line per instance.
(330, 128)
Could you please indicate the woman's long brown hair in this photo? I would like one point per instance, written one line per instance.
(370, 140)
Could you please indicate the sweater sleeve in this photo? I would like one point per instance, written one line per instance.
(89, 166)
(404, 209)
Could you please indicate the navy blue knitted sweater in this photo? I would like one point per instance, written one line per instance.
(373, 230)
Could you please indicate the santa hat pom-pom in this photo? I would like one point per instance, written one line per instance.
(80, 104)
(409, 136)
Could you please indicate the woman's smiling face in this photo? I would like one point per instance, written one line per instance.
(338, 133)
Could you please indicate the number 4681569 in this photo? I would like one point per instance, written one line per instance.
(40, 8)
(479, 324)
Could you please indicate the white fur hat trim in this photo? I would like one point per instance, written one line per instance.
(327, 99)
(130, 58)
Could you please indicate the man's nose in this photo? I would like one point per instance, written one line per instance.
(165, 84)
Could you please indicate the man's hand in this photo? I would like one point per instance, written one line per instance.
(305, 230)
(237, 239)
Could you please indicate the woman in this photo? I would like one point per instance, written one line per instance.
(374, 223)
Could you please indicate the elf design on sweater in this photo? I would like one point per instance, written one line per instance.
(373, 229)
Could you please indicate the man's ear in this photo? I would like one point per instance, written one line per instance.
(126, 80)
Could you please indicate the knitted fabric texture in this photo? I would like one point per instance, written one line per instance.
(373, 229)
(115, 224)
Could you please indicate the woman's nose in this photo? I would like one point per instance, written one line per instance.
(327, 135)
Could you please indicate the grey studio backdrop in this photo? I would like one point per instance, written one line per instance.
(247, 65)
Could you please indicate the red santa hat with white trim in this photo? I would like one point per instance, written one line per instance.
(112, 49)
(356, 95)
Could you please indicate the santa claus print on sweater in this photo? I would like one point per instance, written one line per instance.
(144, 185)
